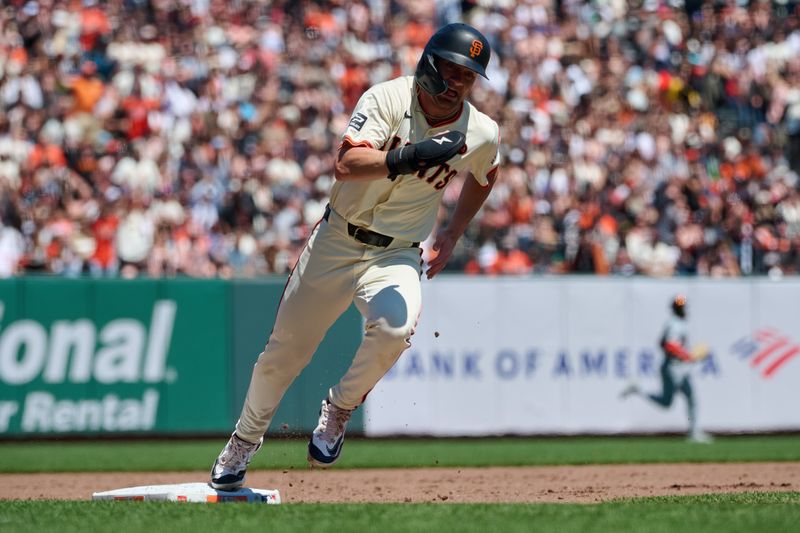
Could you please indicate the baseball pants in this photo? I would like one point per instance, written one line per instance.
(676, 376)
(334, 270)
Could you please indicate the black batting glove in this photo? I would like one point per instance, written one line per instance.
(424, 154)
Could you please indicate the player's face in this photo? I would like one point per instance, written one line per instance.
(459, 82)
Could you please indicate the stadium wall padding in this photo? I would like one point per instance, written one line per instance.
(551, 355)
(162, 357)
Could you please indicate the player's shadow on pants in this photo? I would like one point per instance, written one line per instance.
(388, 304)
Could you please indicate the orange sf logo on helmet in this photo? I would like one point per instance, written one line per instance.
(476, 48)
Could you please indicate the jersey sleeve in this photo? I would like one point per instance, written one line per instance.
(487, 158)
(372, 120)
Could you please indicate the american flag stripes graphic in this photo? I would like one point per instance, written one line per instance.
(768, 350)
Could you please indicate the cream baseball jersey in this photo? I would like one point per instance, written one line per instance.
(387, 116)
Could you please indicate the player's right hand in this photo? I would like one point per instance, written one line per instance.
(424, 154)
(441, 250)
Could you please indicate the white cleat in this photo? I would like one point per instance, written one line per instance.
(627, 391)
(700, 437)
(328, 437)
(231, 466)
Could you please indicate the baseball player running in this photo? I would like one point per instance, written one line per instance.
(676, 368)
(407, 139)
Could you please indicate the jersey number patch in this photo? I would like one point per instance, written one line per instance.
(357, 121)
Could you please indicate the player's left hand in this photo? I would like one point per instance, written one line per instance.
(443, 248)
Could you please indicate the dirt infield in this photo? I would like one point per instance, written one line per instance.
(581, 484)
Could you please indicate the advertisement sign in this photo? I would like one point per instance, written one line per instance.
(552, 356)
(144, 356)
(98, 356)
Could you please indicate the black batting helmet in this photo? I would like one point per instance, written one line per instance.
(458, 43)
(679, 305)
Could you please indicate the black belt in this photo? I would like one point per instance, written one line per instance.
(366, 236)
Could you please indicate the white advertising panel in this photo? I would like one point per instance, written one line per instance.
(551, 356)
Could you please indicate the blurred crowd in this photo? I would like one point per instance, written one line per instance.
(197, 137)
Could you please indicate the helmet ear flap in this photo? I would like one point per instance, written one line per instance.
(427, 75)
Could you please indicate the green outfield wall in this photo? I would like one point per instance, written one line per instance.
(111, 356)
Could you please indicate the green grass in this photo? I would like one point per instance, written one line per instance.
(723, 513)
(727, 513)
(364, 453)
